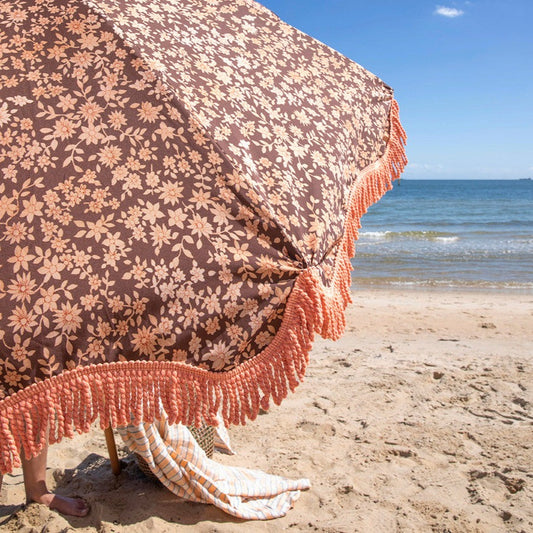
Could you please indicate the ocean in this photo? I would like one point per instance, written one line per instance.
(475, 234)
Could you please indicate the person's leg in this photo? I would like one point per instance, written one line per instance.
(34, 471)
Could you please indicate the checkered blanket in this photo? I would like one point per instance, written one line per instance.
(182, 466)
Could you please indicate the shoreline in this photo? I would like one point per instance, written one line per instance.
(487, 290)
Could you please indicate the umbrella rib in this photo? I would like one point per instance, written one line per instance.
(189, 111)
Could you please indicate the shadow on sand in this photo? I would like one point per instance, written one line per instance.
(126, 499)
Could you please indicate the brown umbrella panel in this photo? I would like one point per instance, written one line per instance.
(181, 184)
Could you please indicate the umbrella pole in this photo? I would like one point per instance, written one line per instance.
(112, 449)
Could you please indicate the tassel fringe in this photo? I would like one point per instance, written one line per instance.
(131, 392)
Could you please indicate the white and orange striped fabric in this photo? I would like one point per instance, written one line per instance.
(182, 466)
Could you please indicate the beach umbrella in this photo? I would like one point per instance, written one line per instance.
(181, 187)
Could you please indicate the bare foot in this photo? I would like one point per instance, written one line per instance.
(63, 504)
(34, 470)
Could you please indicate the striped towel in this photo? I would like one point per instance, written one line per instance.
(182, 466)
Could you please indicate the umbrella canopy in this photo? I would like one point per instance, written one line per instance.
(181, 187)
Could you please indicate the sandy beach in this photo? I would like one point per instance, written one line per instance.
(419, 419)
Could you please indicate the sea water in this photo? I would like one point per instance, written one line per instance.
(450, 234)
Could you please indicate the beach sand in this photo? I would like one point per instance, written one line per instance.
(419, 419)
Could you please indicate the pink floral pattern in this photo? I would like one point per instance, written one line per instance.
(167, 170)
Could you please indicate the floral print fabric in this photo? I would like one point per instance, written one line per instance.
(167, 170)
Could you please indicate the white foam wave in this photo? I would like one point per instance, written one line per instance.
(375, 235)
(447, 239)
(434, 236)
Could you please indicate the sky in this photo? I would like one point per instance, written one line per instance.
(462, 73)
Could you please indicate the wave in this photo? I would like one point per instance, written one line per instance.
(434, 236)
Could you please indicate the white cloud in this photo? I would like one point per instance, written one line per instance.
(449, 12)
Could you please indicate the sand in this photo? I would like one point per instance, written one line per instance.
(419, 419)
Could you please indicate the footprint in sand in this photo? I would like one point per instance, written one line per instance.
(317, 429)
(493, 488)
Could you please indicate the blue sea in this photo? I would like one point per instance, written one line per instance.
(449, 234)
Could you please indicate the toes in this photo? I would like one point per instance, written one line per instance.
(82, 507)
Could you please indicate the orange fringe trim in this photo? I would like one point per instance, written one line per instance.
(131, 392)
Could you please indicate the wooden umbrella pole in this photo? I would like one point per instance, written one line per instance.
(112, 449)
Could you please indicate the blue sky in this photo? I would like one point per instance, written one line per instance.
(462, 73)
